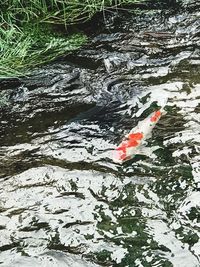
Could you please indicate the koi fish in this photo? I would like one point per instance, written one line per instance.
(129, 146)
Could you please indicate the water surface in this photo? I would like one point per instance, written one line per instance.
(63, 201)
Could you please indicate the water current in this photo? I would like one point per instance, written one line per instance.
(63, 201)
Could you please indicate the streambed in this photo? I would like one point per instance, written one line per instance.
(63, 201)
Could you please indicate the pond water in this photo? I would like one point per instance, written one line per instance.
(63, 201)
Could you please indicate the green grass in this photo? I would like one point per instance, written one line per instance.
(58, 11)
(27, 30)
(32, 45)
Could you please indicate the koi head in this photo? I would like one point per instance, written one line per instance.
(156, 116)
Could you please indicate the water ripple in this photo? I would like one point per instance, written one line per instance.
(63, 199)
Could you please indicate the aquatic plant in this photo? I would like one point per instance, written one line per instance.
(27, 30)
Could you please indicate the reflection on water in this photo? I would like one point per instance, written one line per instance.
(64, 202)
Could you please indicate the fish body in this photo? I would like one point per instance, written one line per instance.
(130, 145)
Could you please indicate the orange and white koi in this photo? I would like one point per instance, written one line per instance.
(130, 145)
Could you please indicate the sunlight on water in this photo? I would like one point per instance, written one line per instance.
(64, 202)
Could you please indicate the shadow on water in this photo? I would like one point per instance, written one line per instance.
(63, 201)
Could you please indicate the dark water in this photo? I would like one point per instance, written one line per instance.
(63, 201)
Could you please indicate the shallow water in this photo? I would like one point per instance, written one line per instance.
(63, 201)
